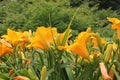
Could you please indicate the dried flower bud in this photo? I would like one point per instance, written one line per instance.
(28, 61)
(10, 72)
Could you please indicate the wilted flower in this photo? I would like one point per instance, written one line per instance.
(20, 78)
(10, 72)
(104, 71)
(111, 74)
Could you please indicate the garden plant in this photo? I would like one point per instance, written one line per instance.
(59, 40)
(46, 54)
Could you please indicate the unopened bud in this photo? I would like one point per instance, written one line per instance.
(32, 74)
(108, 52)
(23, 57)
(99, 42)
(89, 30)
(43, 73)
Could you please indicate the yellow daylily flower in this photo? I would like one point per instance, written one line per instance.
(12, 36)
(4, 47)
(15, 37)
(46, 33)
(37, 43)
(79, 47)
(116, 25)
(43, 37)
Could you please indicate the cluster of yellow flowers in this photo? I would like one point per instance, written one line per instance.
(46, 38)
(42, 39)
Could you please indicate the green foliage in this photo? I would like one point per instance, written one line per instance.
(74, 3)
(29, 14)
(103, 4)
(54, 63)
(91, 17)
(105, 31)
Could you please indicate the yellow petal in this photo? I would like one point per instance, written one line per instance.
(43, 37)
(79, 49)
(114, 20)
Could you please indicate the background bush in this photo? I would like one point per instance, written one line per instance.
(30, 14)
(103, 4)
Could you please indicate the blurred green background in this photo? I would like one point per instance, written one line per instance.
(30, 14)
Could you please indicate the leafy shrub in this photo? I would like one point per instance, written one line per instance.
(29, 14)
(103, 4)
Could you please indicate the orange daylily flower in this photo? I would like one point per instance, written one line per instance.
(4, 47)
(43, 37)
(116, 25)
(79, 47)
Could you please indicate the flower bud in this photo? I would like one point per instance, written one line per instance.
(10, 72)
(43, 73)
(108, 52)
(23, 57)
(89, 30)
